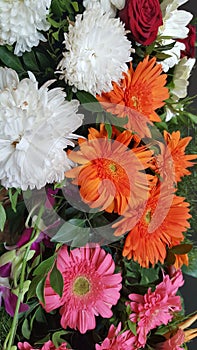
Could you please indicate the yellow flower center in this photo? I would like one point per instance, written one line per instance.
(81, 286)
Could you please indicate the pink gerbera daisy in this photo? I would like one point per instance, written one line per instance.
(90, 287)
(117, 340)
(156, 308)
(47, 346)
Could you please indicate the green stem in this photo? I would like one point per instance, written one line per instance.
(12, 332)
(11, 335)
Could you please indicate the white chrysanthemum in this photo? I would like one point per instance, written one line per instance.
(21, 22)
(36, 125)
(181, 75)
(97, 49)
(108, 6)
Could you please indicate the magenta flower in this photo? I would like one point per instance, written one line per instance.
(156, 308)
(47, 346)
(116, 340)
(90, 287)
(25, 237)
(9, 298)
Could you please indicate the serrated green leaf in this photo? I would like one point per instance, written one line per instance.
(10, 60)
(45, 266)
(181, 249)
(40, 290)
(2, 216)
(56, 280)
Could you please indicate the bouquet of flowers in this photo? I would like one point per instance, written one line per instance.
(94, 153)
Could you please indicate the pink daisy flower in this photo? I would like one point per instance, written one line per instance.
(47, 346)
(156, 308)
(116, 340)
(90, 287)
(173, 343)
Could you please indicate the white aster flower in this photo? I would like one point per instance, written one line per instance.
(181, 75)
(97, 49)
(36, 125)
(21, 22)
(108, 6)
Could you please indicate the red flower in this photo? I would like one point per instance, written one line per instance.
(189, 42)
(142, 18)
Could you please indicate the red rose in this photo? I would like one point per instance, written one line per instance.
(189, 43)
(142, 18)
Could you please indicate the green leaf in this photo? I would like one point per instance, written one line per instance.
(108, 128)
(181, 249)
(132, 327)
(10, 60)
(57, 338)
(2, 217)
(45, 266)
(40, 290)
(88, 101)
(149, 275)
(30, 61)
(13, 198)
(75, 6)
(68, 231)
(26, 331)
(56, 280)
(191, 270)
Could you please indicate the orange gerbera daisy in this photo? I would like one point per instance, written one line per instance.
(177, 146)
(141, 90)
(181, 259)
(152, 229)
(110, 173)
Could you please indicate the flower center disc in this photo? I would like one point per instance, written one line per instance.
(81, 286)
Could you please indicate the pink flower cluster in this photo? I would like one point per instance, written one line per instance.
(155, 308)
(47, 346)
(117, 340)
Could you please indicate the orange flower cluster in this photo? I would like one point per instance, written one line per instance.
(124, 175)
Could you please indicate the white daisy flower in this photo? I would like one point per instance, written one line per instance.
(108, 6)
(174, 21)
(174, 54)
(175, 27)
(21, 23)
(36, 125)
(97, 49)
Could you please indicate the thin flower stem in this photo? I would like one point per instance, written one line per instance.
(11, 335)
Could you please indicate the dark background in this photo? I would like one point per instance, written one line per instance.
(189, 290)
